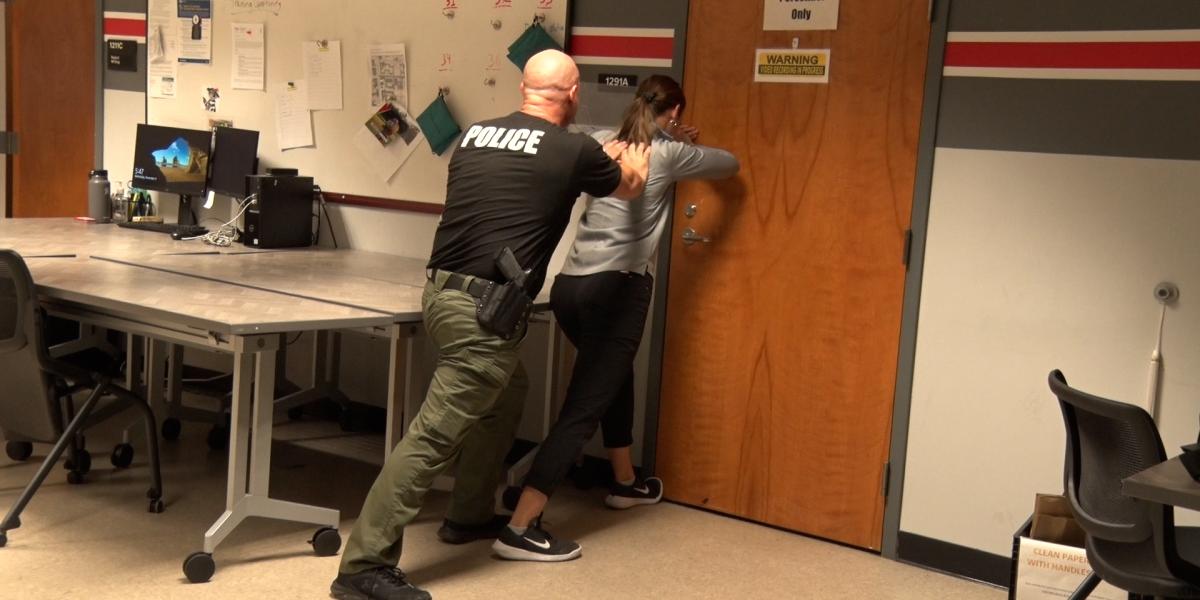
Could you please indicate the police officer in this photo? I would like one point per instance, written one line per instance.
(512, 183)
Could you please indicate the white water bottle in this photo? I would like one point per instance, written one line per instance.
(98, 195)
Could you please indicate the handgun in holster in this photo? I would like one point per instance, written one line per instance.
(504, 307)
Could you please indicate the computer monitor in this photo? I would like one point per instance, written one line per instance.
(235, 153)
(172, 160)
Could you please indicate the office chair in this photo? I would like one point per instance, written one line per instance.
(36, 404)
(1131, 544)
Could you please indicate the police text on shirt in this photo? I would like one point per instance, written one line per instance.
(517, 140)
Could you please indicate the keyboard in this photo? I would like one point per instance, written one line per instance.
(168, 228)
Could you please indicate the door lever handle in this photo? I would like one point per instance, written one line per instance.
(691, 237)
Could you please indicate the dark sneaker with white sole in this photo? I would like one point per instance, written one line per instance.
(647, 491)
(536, 545)
(382, 583)
(452, 532)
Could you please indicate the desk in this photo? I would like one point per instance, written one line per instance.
(379, 282)
(205, 314)
(1164, 483)
(369, 280)
(235, 301)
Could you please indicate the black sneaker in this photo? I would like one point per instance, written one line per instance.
(536, 545)
(453, 532)
(381, 583)
(648, 491)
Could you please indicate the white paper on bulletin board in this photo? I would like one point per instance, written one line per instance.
(791, 15)
(162, 49)
(195, 31)
(470, 39)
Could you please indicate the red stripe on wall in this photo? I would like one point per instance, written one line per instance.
(625, 47)
(1075, 55)
(128, 27)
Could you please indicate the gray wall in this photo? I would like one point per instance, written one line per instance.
(603, 105)
(1056, 205)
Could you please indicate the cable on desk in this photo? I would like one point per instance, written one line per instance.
(225, 235)
(328, 221)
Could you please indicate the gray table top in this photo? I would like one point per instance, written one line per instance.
(1164, 483)
(66, 236)
(189, 301)
(368, 280)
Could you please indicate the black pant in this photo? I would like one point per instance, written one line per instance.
(603, 315)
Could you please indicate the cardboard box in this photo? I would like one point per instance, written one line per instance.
(1053, 521)
(1052, 567)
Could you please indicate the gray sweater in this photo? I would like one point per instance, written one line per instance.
(620, 235)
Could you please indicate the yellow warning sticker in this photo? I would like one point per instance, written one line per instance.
(792, 66)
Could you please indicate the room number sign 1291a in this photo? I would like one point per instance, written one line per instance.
(618, 80)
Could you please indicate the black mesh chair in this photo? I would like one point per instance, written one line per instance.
(36, 392)
(1131, 544)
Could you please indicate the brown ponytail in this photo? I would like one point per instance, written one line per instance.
(655, 96)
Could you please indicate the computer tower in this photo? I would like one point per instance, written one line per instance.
(282, 214)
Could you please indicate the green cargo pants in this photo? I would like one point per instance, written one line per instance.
(471, 411)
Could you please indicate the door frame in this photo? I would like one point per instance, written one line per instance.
(902, 398)
(939, 12)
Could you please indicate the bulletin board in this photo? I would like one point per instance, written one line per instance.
(458, 46)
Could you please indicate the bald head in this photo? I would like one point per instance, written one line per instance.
(550, 87)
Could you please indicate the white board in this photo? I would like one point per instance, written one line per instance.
(476, 38)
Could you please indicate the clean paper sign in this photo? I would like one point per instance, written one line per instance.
(789, 15)
(1049, 571)
(791, 66)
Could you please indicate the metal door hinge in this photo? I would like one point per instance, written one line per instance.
(887, 478)
(8, 140)
(907, 247)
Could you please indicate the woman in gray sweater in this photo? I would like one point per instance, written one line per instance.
(600, 300)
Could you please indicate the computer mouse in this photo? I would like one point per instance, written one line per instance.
(175, 235)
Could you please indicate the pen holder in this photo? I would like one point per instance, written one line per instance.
(1191, 460)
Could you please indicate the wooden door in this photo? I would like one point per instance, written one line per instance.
(782, 333)
(52, 105)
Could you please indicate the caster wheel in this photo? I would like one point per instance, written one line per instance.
(19, 451)
(122, 456)
(296, 413)
(199, 567)
(154, 493)
(156, 506)
(171, 428)
(74, 477)
(80, 463)
(510, 497)
(326, 541)
(218, 437)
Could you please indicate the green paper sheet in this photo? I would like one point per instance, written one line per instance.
(533, 40)
(439, 125)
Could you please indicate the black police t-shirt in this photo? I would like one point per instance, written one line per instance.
(512, 182)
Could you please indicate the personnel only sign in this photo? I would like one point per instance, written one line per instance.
(791, 15)
(791, 66)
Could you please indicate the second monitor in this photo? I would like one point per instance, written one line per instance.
(235, 153)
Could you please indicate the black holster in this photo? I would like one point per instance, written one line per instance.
(504, 308)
